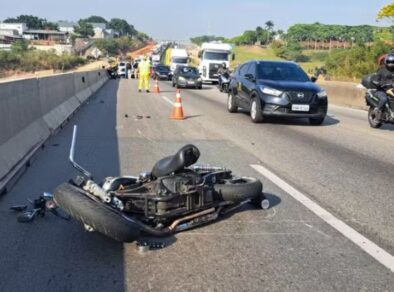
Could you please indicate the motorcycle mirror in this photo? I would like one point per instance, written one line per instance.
(27, 217)
(313, 79)
(19, 208)
(71, 156)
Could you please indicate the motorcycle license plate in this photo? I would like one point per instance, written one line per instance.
(300, 107)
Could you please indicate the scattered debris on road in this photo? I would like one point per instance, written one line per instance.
(144, 246)
(40, 206)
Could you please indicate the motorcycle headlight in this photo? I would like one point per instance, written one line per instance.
(322, 94)
(270, 91)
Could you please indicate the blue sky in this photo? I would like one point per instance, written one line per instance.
(181, 19)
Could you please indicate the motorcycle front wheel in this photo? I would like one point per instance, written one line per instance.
(97, 215)
(372, 119)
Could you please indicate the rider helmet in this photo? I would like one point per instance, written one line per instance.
(389, 62)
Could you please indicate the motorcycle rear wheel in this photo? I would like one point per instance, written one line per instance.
(100, 217)
(238, 189)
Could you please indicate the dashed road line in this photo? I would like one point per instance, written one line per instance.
(167, 100)
(364, 243)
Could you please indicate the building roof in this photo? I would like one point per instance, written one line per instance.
(8, 37)
(43, 31)
(63, 23)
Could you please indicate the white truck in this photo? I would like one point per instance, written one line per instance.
(155, 59)
(212, 56)
(178, 57)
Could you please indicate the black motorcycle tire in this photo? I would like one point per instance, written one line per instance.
(238, 189)
(97, 215)
(372, 120)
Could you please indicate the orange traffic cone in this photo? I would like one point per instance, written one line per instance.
(156, 89)
(177, 110)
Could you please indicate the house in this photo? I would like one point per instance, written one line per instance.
(19, 27)
(101, 31)
(66, 26)
(46, 35)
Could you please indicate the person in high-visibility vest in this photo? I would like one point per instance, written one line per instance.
(144, 71)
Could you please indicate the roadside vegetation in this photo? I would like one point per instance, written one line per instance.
(337, 51)
(21, 58)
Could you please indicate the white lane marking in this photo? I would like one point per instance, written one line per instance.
(364, 243)
(167, 100)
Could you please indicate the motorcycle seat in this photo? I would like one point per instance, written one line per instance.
(185, 157)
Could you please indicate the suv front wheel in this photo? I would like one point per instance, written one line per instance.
(255, 111)
(231, 105)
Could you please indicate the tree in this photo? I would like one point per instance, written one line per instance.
(33, 22)
(96, 19)
(113, 47)
(19, 47)
(122, 27)
(84, 29)
(269, 25)
(205, 39)
(249, 37)
(387, 12)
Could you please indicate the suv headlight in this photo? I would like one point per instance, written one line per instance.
(322, 94)
(182, 78)
(270, 91)
(199, 79)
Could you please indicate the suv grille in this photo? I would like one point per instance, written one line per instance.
(300, 96)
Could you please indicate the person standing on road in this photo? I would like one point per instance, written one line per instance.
(384, 78)
(144, 71)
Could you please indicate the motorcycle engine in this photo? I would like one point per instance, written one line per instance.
(182, 183)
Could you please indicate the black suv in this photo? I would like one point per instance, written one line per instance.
(276, 88)
(186, 76)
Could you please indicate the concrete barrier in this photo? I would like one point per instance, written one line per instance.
(344, 94)
(33, 109)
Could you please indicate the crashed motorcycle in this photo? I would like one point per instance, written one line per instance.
(176, 195)
(373, 102)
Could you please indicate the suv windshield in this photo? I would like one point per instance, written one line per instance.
(216, 56)
(281, 72)
(188, 70)
(162, 68)
(179, 60)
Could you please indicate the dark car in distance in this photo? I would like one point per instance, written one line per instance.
(161, 72)
(276, 89)
(186, 76)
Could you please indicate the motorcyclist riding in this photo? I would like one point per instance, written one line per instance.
(223, 70)
(383, 78)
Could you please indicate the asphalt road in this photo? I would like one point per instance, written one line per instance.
(343, 165)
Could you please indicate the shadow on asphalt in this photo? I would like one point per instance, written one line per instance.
(191, 117)
(328, 121)
(387, 127)
(51, 254)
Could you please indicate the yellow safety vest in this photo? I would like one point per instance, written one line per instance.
(144, 68)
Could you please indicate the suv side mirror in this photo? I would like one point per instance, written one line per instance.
(313, 79)
(249, 77)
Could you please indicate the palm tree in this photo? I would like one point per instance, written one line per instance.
(269, 25)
